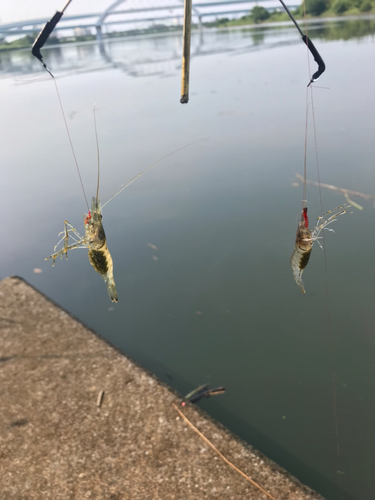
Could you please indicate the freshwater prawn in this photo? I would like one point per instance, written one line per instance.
(95, 238)
(305, 238)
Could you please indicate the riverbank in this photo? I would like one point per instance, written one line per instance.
(81, 420)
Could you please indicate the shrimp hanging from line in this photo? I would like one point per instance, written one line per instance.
(95, 241)
(95, 238)
(302, 250)
(305, 238)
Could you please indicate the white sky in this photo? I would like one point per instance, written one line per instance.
(20, 10)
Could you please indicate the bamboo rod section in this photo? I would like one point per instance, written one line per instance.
(186, 52)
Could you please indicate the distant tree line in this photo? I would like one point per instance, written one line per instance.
(312, 8)
(316, 8)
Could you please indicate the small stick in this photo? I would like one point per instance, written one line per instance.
(220, 454)
(353, 203)
(186, 52)
(100, 399)
(203, 391)
(335, 188)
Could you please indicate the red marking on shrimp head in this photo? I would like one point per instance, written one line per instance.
(88, 218)
(304, 217)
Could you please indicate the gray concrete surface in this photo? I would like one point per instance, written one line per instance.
(56, 443)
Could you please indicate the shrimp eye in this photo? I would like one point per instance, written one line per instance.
(101, 216)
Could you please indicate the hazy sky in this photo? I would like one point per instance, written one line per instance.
(18, 10)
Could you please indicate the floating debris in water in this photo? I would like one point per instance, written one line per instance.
(203, 391)
(345, 192)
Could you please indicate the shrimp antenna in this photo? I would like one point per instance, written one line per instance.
(70, 141)
(317, 57)
(148, 168)
(97, 150)
(35, 50)
(44, 35)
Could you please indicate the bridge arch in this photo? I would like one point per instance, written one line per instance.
(99, 23)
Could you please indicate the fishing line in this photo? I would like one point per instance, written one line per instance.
(97, 150)
(328, 297)
(71, 143)
(304, 197)
(38, 44)
(328, 300)
(143, 171)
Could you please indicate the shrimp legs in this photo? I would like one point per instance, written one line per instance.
(95, 241)
(305, 238)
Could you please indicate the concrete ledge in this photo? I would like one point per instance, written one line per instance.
(56, 443)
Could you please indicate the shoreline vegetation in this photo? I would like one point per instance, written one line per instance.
(311, 9)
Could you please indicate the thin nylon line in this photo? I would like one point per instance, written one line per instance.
(328, 298)
(66, 5)
(148, 168)
(97, 150)
(328, 302)
(307, 114)
(70, 140)
(305, 154)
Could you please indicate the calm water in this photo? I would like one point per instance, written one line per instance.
(216, 302)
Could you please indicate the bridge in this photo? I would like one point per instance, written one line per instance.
(172, 12)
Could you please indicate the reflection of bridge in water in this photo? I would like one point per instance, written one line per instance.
(156, 55)
(112, 16)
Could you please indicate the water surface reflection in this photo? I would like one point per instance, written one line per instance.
(216, 302)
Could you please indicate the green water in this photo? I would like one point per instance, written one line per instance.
(216, 301)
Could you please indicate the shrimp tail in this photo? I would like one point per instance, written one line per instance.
(298, 262)
(111, 288)
(102, 262)
(297, 275)
(302, 249)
